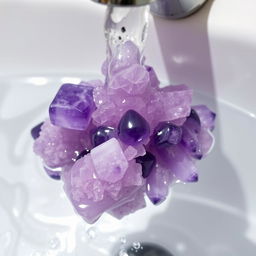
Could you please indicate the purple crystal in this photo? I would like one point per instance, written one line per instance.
(124, 162)
(148, 162)
(35, 132)
(206, 116)
(158, 185)
(193, 122)
(58, 146)
(206, 140)
(72, 106)
(196, 137)
(92, 197)
(179, 162)
(137, 202)
(173, 102)
(154, 82)
(126, 55)
(130, 153)
(191, 142)
(102, 134)
(133, 129)
(167, 134)
(109, 161)
(134, 80)
(133, 175)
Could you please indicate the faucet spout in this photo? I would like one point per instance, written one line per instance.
(172, 9)
(124, 2)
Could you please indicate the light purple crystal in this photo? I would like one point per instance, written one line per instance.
(137, 202)
(72, 106)
(58, 146)
(90, 202)
(158, 184)
(134, 80)
(126, 55)
(206, 140)
(109, 161)
(154, 82)
(174, 102)
(130, 153)
(207, 117)
(179, 162)
(133, 175)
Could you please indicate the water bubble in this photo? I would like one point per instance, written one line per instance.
(91, 233)
(136, 245)
(123, 240)
(54, 243)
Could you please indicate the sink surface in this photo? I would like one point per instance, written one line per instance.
(47, 43)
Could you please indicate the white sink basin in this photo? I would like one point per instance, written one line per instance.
(46, 43)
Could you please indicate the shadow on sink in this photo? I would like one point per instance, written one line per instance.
(208, 218)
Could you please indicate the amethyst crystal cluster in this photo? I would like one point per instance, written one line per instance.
(119, 141)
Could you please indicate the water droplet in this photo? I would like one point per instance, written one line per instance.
(136, 245)
(92, 232)
(123, 240)
(123, 252)
(54, 243)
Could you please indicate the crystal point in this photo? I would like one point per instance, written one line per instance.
(133, 129)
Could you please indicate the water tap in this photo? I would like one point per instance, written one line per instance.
(172, 9)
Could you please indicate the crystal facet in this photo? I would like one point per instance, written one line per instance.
(167, 134)
(72, 106)
(133, 128)
(206, 116)
(109, 161)
(158, 185)
(58, 146)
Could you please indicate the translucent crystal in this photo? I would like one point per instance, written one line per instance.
(72, 106)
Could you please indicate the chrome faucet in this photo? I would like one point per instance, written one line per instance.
(172, 9)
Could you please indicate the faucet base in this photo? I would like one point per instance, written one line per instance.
(176, 9)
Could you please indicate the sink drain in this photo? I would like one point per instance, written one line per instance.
(147, 249)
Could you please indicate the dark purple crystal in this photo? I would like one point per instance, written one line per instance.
(148, 162)
(102, 134)
(193, 177)
(193, 122)
(83, 153)
(35, 132)
(72, 106)
(133, 128)
(191, 129)
(167, 134)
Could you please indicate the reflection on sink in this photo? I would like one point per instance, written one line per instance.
(217, 216)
